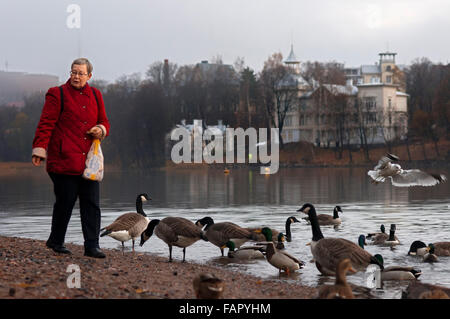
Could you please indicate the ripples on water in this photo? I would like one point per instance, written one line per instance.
(249, 199)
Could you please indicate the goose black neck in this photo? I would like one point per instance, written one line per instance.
(151, 226)
(335, 213)
(316, 232)
(391, 235)
(288, 230)
(139, 208)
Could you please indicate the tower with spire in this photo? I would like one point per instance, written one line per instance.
(292, 61)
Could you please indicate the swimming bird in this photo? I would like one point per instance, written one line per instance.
(174, 231)
(328, 252)
(341, 289)
(208, 286)
(129, 225)
(398, 272)
(282, 260)
(400, 177)
(393, 272)
(244, 253)
(430, 256)
(325, 219)
(263, 234)
(419, 248)
(385, 239)
(371, 236)
(220, 233)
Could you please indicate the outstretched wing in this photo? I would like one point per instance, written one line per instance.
(416, 177)
(386, 159)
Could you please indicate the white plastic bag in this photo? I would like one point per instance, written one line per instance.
(94, 162)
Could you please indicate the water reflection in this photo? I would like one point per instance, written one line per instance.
(249, 198)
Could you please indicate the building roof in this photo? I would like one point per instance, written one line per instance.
(292, 80)
(292, 59)
(370, 69)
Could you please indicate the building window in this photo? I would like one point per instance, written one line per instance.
(388, 79)
(388, 68)
(370, 102)
(302, 120)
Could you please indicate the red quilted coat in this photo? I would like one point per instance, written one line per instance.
(61, 138)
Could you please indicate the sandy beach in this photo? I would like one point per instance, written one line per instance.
(30, 270)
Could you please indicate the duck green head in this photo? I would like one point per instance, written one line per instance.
(361, 241)
(281, 238)
(267, 232)
(379, 258)
(383, 229)
(230, 245)
(431, 248)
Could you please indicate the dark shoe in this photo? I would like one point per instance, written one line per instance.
(58, 248)
(94, 252)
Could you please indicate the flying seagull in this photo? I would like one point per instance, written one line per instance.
(402, 177)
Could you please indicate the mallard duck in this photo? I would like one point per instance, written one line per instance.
(341, 289)
(129, 225)
(418, 290)
(328, 252)
(400, 177)
(220, 233)
(362, 241)
(325, 219)
(263, 234)
(385, 239)
(397, 272)
(243, 253)
(208, 286)
(174, 231)
(419, 248)
(430, 257)
(371, 236)
(282, 260)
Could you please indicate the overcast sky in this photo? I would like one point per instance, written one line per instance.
(124, 37)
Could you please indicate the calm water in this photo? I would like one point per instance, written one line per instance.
(249, 199)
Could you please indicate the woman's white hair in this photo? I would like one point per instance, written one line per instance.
(81, 61)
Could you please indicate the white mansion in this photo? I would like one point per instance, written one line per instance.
(373, 102)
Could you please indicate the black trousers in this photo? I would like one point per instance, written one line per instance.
(67, 189)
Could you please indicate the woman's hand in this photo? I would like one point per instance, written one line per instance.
(96, 132)
(36, 160)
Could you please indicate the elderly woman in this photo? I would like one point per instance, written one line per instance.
(73, 115)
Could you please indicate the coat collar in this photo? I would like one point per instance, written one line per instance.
(85, 89)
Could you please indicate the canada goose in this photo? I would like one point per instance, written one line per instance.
(430, 256)
(397, 272)
(129, 225)
(419, 248)
(174, 231)
(220, 233)
(325, 219)
(418, 290)
(341, 289)
(263, 234)
(208, 286)
(328, 252)
(400, 177)
(281, 259)
(248, 252)
(385, 239)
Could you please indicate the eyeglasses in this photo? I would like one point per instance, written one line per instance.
(72, 73)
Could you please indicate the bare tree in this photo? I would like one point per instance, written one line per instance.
(280, 91)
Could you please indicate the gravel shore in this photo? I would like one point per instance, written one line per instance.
(28, 269)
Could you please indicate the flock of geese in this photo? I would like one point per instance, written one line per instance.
(332, 256)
